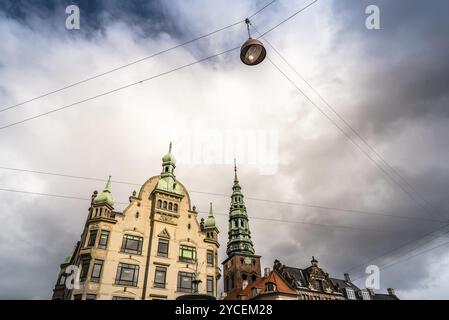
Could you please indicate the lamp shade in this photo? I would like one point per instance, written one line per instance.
(252, 52)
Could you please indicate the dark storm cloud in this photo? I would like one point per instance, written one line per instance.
(149, 17)
(399, 88)
(404, 66)
(391, 84)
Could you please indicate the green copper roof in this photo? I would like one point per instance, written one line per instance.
(210, 220)
(169, 158)
(168, 180)
(105, 196)
(239, 235)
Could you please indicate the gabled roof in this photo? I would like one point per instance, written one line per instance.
(280, 287)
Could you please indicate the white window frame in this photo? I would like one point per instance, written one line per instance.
(350, 293)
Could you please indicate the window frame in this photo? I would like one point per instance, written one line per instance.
(93, 238)
(210, 254)
(128, 237)
(182, 275)
(350, 293)
(100, 240)
(165, 242)
(162, 270)
(89, 296)
(85, 266)
(100, 263)
(185, 248)
(120, 270)
(210, 281)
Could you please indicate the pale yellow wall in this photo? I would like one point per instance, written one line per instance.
(128, 223)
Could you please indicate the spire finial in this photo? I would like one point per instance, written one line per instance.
(235, 170)
(169, 147)
(108, 185)
(210, 210)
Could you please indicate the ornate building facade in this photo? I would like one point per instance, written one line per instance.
(154, 249)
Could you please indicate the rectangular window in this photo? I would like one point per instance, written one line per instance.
(90, 296)
(210, 285)
(132, 244)
(210, 258)
(187, 254)
(96, 271)
(92, 238)
(121, 298)
(159, 277)
(61, 280)
(127, 274)
(84, 269)
(365, 295)
(350, 293)
(103, 242)
(162, 248)
(77, 297)
(185, 281)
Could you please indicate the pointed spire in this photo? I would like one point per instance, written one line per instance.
(105, 197)
(107, 188)
(235, 171)
(169, 147)
(210, 221)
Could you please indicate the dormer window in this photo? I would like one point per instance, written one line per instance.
(350, 293)
(365, 295)
(270, 286)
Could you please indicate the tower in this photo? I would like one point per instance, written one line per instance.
(242, 265)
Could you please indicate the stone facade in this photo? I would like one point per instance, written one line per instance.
(151, 250)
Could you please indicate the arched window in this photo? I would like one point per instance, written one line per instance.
(165, 204)
(159, 203)
(175, 207)
(242, 224)
(170, 206)
(166, 169)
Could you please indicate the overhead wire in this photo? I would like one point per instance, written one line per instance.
(288, 203)
(5, 108)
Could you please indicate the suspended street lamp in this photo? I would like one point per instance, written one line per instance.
(252, 52)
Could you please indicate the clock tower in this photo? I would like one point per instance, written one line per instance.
(242, 265)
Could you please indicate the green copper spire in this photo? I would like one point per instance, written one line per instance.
(210, 220)
(239, 235)
(168, 179)
(106, 195)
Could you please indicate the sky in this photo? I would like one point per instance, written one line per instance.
(390, 85)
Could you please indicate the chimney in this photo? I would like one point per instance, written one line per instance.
(391, 292)
(266, 272)
(347, 279)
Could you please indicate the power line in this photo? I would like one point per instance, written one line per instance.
(358, 135)
(347, 135)
(312, 206)
(261, 9)
(132, 62)
(408, 258)
(289, 17)
(349, 139)
(251, 217)
(383, 160)
(397, 248)
(118, 89)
